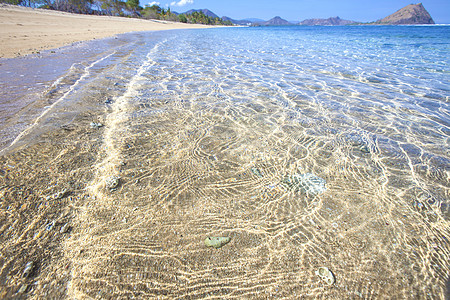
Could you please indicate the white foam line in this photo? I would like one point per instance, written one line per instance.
(58, 81)
(35, 123)
(118, 116)
(105, 167)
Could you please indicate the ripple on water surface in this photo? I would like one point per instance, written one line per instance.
(311, 151)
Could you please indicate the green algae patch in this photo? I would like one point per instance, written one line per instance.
(217, 241)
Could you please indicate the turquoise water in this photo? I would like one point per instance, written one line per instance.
(308, 146)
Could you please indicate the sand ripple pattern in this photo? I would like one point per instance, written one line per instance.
(202, 137)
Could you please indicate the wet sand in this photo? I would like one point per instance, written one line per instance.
(42, 184)
(26, 30)
(40, 187)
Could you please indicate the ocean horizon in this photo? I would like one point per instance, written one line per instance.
(246, 162)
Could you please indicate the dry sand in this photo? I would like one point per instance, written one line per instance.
(26, 30)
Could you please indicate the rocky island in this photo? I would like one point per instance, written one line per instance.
(408, 15)
(333, 21)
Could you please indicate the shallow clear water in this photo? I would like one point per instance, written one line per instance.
(308, 146)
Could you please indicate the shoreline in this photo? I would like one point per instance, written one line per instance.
(44, 187)
(26, 30)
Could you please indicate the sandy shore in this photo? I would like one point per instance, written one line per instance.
(26, 30)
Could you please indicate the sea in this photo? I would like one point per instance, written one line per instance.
(290, 162)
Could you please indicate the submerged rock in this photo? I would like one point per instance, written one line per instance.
(96, 125)
(29, 267)
(364, 149)
(217, 242)
(307, 183)
(50, 225)
(23, 289)
(60, 194)
(68, 127)
(359, 142)
(326, 275)
(256, 172)
(64, 228)
(112, 182)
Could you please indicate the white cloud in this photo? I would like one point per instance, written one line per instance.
(153, 3)
(182, 3)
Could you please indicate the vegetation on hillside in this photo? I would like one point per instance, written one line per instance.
(198, 17)
(128, 8)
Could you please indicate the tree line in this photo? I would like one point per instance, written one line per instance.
(128, 8)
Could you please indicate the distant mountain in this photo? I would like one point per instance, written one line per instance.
(410, 14)
(238, 22)
(207, 12)
(255, 20)
(336, 21)
(277, 21)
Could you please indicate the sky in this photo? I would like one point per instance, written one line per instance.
(298, 10)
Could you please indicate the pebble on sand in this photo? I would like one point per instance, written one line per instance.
(96, 125)
(216, 242)
(29, 267)
(23, 289)
(60, 194)
(112, 182)
(307, 183)
(326, 275)
(64, 228)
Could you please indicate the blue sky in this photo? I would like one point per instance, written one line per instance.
(297, 10)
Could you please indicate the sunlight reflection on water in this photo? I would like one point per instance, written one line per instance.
(308, 146)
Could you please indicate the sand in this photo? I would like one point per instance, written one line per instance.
(26, 30)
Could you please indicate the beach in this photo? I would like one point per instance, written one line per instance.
(25, 30)
(253, 163)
